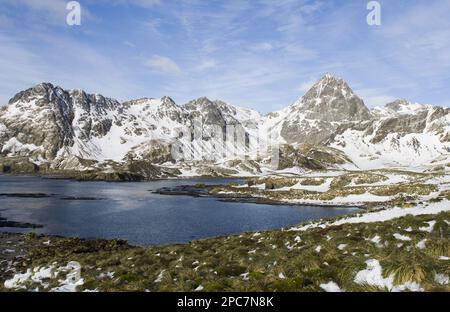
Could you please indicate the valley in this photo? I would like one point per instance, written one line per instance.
(323, 195)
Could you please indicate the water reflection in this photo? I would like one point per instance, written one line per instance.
(131, 211)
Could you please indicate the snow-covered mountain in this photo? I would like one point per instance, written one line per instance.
(401, 134)
(327, 127)
(316, 116)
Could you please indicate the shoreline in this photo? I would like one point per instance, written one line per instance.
(296, 259)
(401, 244)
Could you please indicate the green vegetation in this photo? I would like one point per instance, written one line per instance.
(411, 249)
(348, 183)
(357, 178)
(277, 260)
(312, 181)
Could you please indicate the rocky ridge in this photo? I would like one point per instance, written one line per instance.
(50, 130)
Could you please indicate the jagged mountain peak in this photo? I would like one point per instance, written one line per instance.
(218, 109)
(205, 105)
(330, 77)
(403, 107)
(201, 101)
(42, 93)
(45, 85)
(397, 103)
(45, 94)
(44, 89)
(330, 86)
(168, 99)
(140, 100)
(331, 99)
(165, 101)
(48, 123)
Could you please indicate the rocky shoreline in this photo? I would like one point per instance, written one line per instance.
(411, 253)
(208, 191)
(5, 223)
(398, 244)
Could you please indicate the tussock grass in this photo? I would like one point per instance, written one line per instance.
(350, 183)
(225, 264)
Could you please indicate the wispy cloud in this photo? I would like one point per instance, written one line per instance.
(258, 53)
(19, 68)
(139, 3)
(162, 64)
(53, 12)
(129, 44)
(206, 65)
(263, 46)
(49, 6)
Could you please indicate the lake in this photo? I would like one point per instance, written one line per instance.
(132, 212)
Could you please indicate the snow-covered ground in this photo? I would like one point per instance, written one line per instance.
(373, 275)
(315, 188)
(383, 215)
(40, 275)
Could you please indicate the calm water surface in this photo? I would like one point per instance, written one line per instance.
(131, 211)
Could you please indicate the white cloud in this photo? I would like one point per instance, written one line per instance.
(311, 7)
(263, 46)
(19, 68)
(206, 65)
(140, 3)
(381, 100)
(53, 12)
(82, 66)
(129, 44)
(162, 64)
(54, 6)
(375, 97)
(231, 49)
(417, 45)
(299, 52)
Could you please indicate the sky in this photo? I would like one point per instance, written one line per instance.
(260, 54)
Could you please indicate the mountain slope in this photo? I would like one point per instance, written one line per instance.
(315, 116)
(402, 135)
(73, 130)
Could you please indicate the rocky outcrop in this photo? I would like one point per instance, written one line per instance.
(49, 129)
(332, 100)
(310, 157)
(314, 118)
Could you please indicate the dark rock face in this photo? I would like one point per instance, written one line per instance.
(302, 131)
(401, 125)
(314, 118)
(17, 165)
(93, 114)
(154, 151)
(148, 170)
(46, 123)
(331, 99)
(213, 112)
(44, 116)
(209, 111)
(310, 157)
(47, 130)
(396, 106)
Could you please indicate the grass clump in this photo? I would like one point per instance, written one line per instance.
(279, 261)
(312, 181)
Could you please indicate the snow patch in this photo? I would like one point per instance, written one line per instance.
(373, 275)
(330, 287)
(401, 237)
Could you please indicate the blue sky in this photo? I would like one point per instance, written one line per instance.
(253, 53)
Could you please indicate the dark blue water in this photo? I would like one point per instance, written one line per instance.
(131, 211)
